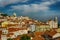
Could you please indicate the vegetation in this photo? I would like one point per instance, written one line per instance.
(9, 39)
(58, 25)
(0, 23)
(25, 37)
(4, 14)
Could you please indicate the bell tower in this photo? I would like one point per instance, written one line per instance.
(56, 22)
(14, 14)
(56, 19)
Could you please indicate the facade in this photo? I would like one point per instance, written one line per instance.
(4, 30)
(32, 28)
(3, 37)
(53, 23)
(20, 32)
(42, 27)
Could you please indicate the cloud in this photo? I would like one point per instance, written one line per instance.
(34, 10)
(6, 2)
(33, 7)
(51, 0)
(27, 8)
(42, 7)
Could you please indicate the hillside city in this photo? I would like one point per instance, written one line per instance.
(17, 27)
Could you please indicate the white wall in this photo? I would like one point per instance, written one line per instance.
(3, 37)
(20, 32)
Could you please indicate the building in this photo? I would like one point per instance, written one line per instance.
(4, 30)
(14, 14)
(42, 27)
(57, 35)
(3, 37)
(53, 23)
(32, 27)
(58, 30)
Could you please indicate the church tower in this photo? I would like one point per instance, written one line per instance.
(56, 19)
(14, 14)
(56, 22)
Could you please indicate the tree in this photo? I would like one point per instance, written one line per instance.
(4, 14)
(0, 23)
(25, 37)
(9, 39)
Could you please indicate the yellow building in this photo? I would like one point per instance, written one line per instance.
(58, 30)
(42, 27)
(4, 24)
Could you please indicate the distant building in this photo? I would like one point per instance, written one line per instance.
(3, 37)
(58, 30)
(4, 24)
(14, 14)
(57, 35)
(53, 23)
(32, 27)
(4, 30)
(42, 27)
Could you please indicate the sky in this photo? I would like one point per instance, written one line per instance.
(36, 9)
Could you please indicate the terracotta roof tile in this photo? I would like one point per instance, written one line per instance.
(38, 33)
(8, 35)
(51, 32)
(38, 38)
(15, 29)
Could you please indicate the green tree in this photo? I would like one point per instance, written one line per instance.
(0, 23)
(9, 39)
(25, 37)
(4, 14)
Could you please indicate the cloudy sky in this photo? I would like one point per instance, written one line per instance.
(37, 9)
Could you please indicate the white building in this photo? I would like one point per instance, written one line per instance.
(20, 32)
(32, 27)
(56, 35)
(4, 30)
(3, 37)
(43, 27)
(53, 23)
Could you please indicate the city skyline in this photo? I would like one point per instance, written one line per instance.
(37, 9)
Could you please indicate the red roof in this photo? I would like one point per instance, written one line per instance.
(51, 32)
(8, 35)
(12, 24)
(38, 33)
(15, 29)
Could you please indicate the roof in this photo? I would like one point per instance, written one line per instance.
(38, 38)
(2, 27)
(9, 34)
(38, 33)
(51, 32)
(16, 29)
(12, 24)
(0, 32)
(56, 35)
(17, 38)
